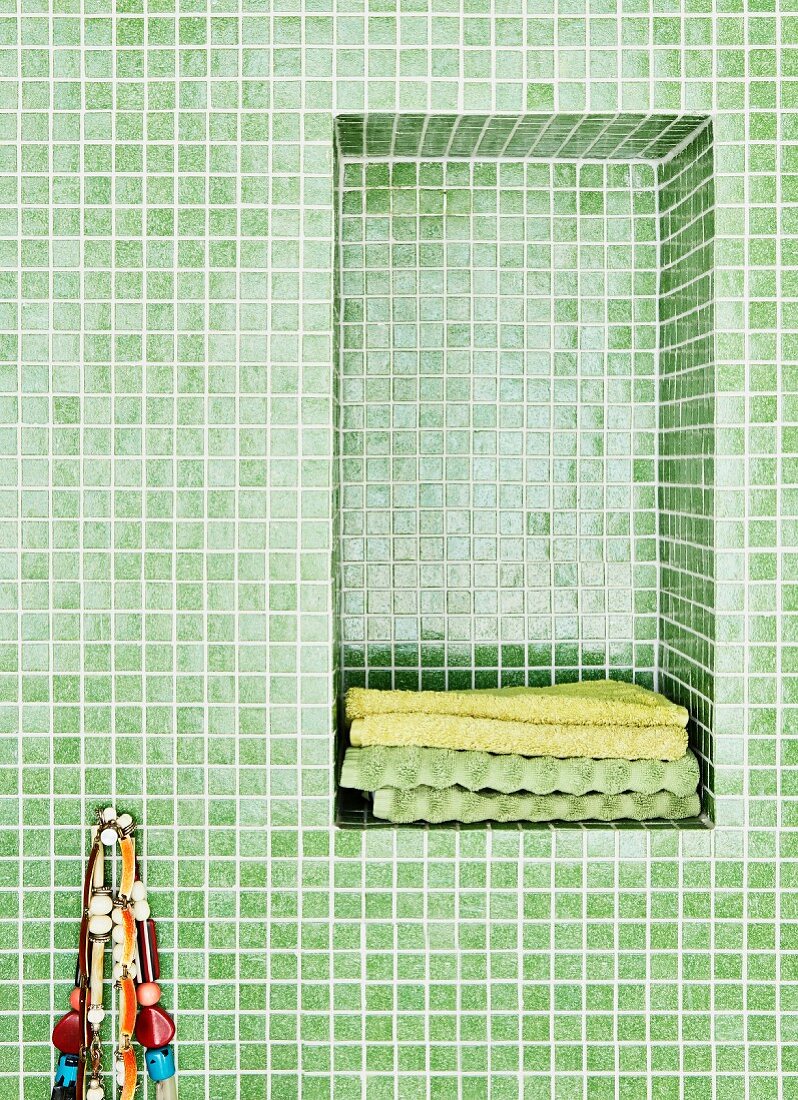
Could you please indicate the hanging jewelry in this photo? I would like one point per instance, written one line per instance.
(123, 920)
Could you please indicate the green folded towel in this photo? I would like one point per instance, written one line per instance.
(407, 766)
(457, 804)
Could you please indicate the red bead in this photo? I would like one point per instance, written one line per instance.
(66, 1033)
(74, 998)
(154, 1028)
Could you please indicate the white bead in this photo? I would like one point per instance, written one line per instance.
(100, 924)
(124, 821)
(118, 952)
(116, 915)
(118, 933)
(117, 971)
(108, 837)
(96, 1014)
(132, 970)
(101, 903)
(95, 1094)
(109, 813)
(120, 1072)
(139, 892)
(141, 910)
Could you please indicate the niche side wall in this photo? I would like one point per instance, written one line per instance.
(686, 200)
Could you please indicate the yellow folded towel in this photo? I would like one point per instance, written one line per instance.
(616, 742)
(588, 703)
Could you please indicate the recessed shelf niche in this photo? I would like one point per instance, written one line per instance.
(525, 407)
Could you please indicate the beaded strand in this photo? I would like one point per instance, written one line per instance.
(124, 920)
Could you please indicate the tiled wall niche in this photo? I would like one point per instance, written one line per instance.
(525, 404)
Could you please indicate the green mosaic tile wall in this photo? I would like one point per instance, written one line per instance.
(166, 426)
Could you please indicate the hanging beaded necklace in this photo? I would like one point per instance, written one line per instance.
(124, 920)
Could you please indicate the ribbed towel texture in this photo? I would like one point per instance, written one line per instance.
(457, 804)
(405, 767)
(599, 750)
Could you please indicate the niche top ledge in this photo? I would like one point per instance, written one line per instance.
(626, 136)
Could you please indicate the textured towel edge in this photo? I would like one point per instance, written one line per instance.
(407, 766)
(453, 804)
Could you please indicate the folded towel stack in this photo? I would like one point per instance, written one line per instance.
(597, 750)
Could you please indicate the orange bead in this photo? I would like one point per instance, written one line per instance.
(127, 1007)
(129, 942)
(128, 1060)
(148, 993)
(74, 998)
(127, 877)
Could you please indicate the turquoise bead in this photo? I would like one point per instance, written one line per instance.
(160, 1062)
(67, 1071)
